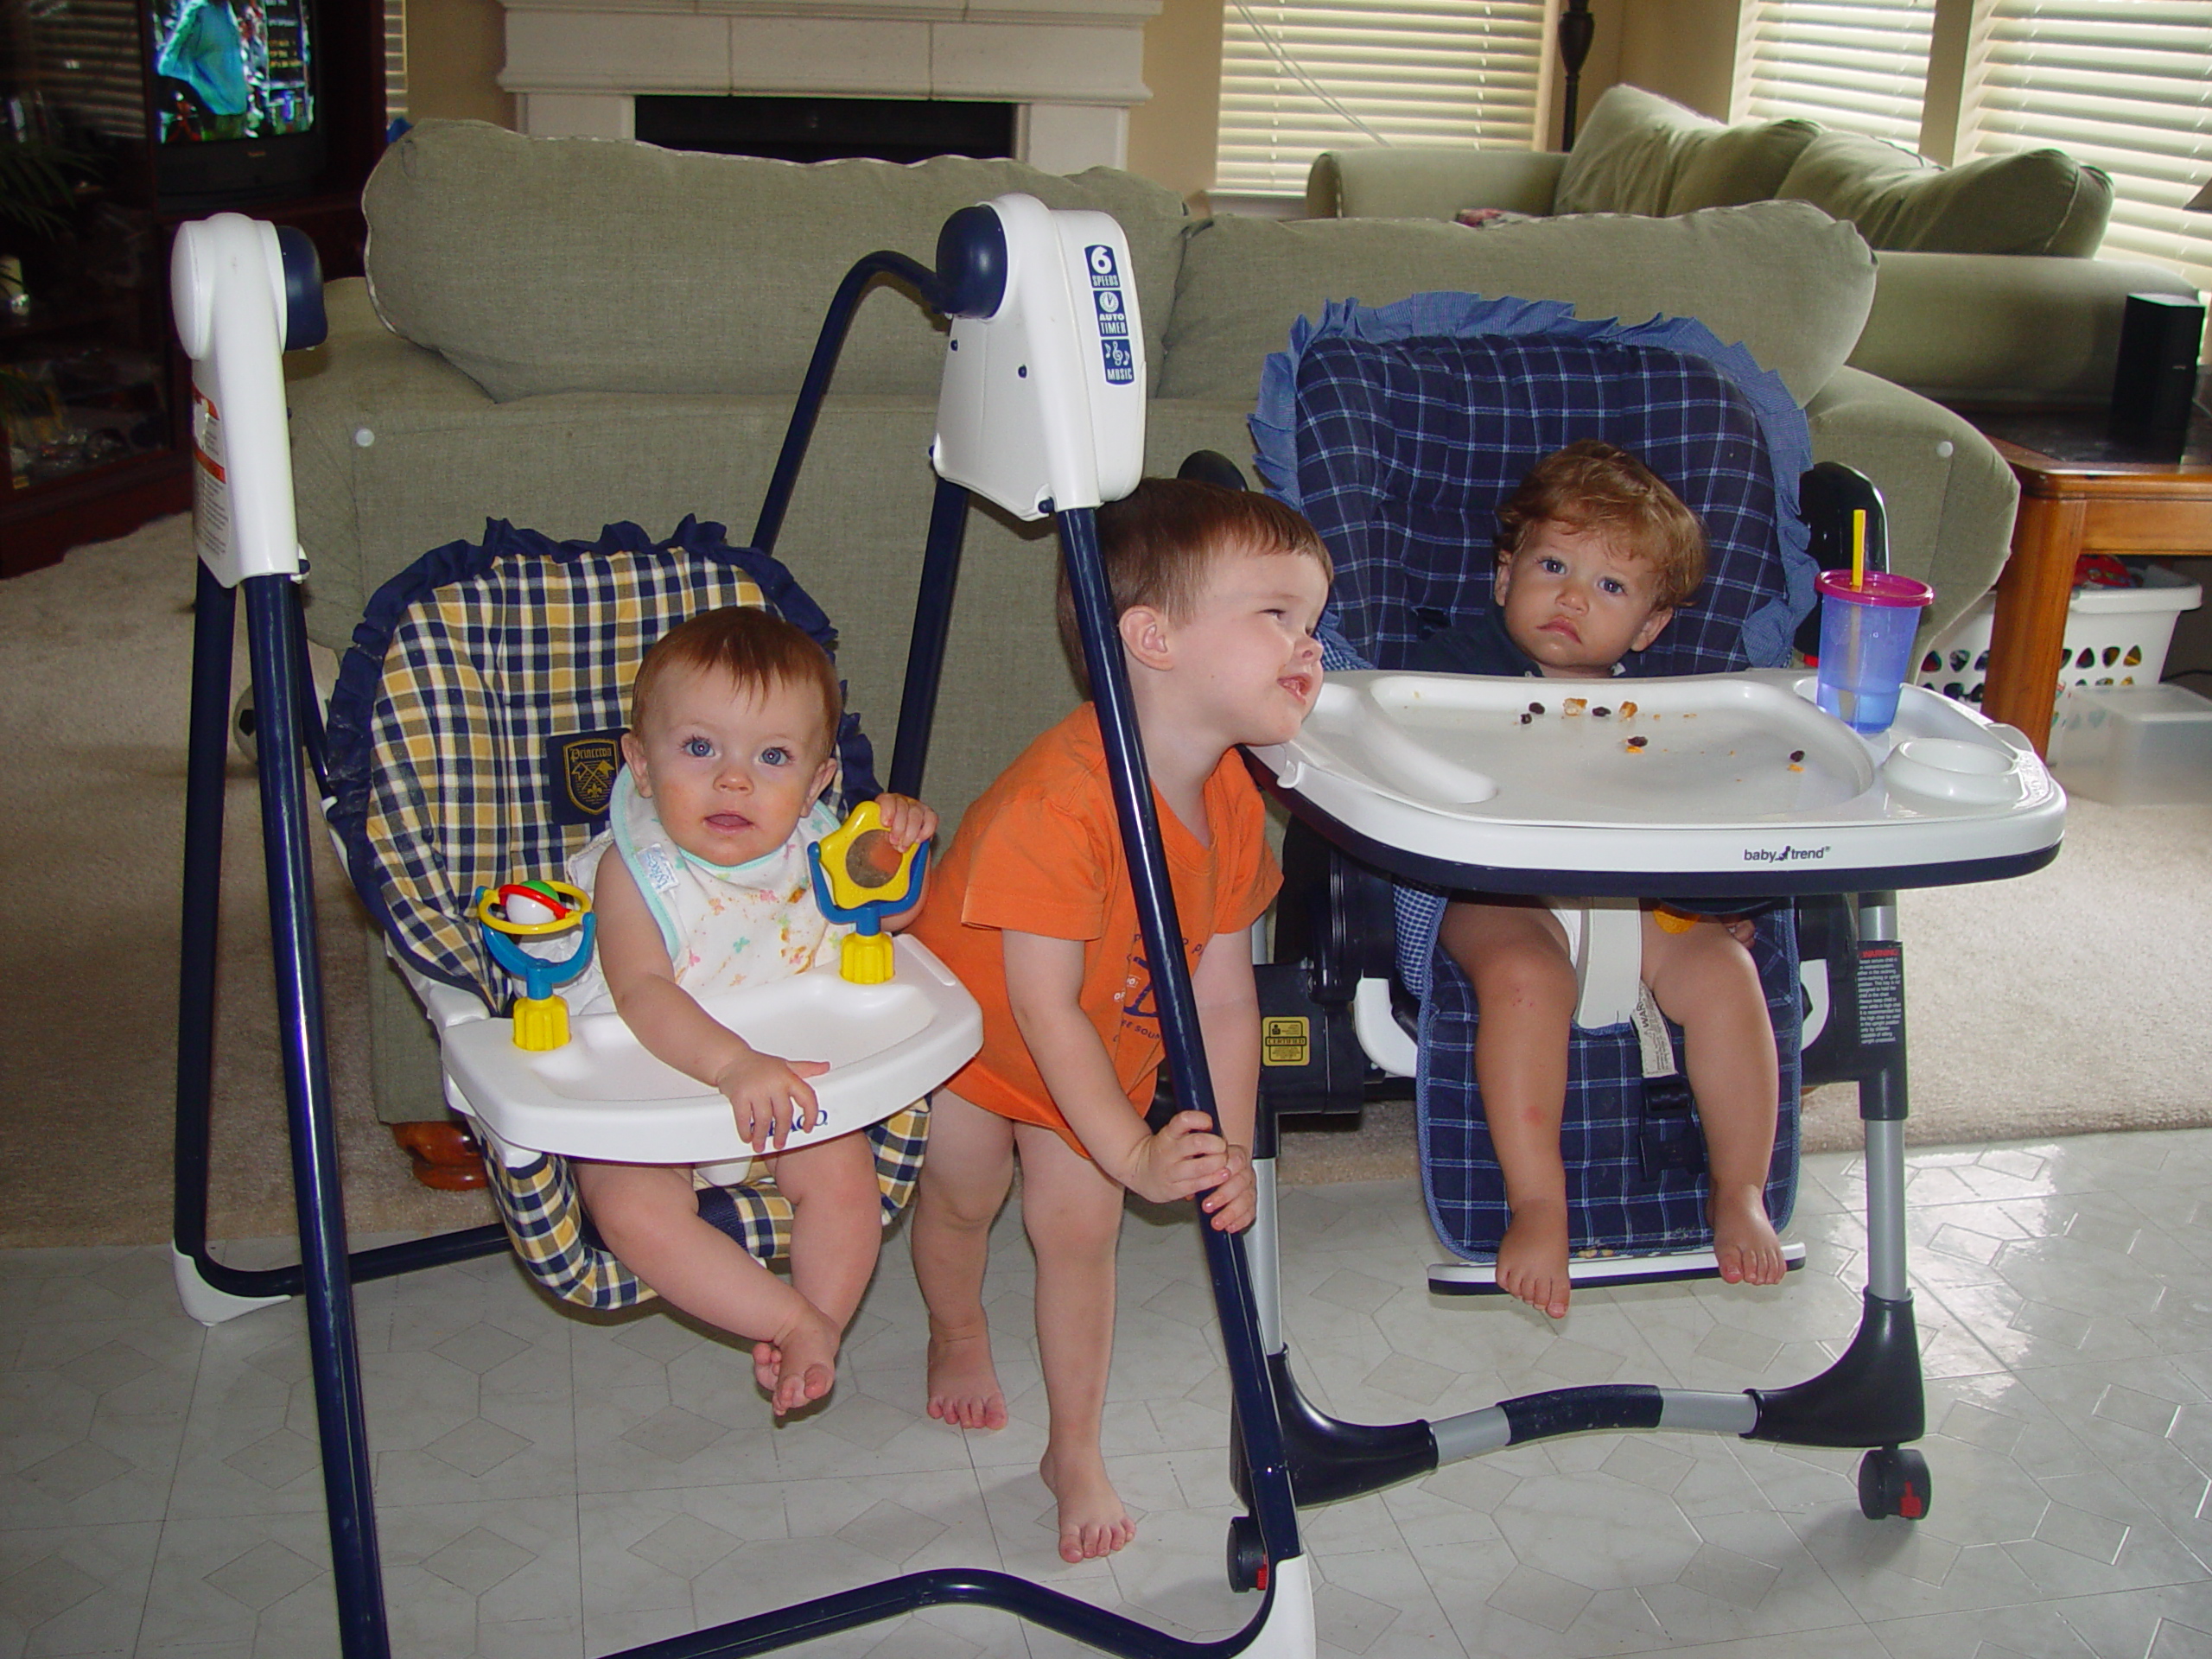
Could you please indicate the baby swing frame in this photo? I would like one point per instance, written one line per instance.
(244, 293)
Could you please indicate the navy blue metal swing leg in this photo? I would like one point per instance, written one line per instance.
(272, 639)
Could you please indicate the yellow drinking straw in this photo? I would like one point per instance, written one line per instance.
(1858, 549)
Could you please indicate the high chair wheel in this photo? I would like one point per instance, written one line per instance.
(1893, 1480)
(1248, 1556)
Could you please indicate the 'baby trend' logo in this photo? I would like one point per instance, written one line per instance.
(1784, 854)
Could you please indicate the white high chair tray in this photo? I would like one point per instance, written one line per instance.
(603, 1097)
(1738, 786)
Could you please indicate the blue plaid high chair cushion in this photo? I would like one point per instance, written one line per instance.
(1398, 430)
(473, 740)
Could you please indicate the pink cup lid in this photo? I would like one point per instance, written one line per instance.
(1882, 588)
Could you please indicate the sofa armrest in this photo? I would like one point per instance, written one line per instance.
(361, 379)
(1965, 326)
(1429, 181)
(1950, 496)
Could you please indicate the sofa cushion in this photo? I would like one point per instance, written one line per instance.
(2032, 201)
(1640, 153)
(542, 265)
(1793, 286)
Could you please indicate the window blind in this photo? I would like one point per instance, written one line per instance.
(1299, 77)
(1857, 65)
(2124, 85)
(395, 59)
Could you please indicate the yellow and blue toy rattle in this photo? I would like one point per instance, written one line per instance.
(861, 876)
(537, 910)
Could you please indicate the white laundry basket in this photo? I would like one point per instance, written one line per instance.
(2114, 636)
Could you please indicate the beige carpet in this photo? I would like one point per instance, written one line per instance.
(93, 704)
(2067, 1001)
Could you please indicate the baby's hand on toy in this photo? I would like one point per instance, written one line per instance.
(1184, 1158)
(908, 821)
(1236, 1200)
(767, 1093)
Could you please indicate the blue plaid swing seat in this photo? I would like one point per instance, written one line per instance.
(474, 739)
(1398, 430)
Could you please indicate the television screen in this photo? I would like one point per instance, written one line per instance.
(231, 69)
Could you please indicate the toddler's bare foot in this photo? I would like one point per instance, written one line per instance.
(1743, 1238)
(963, 1385)
(1532, 1257)
(1092, 1520)
(767, 1365)
(805, 1354)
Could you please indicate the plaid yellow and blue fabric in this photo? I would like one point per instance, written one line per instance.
(545, 1221)
(474, 730)
(1398, 429)
(473, 738)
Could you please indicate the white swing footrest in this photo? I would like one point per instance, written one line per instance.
(1595, 1272)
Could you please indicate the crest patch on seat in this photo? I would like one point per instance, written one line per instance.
(580, 770)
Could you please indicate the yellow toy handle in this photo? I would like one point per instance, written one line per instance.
(862, 865)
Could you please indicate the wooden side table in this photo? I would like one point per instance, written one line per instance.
(2082, 490)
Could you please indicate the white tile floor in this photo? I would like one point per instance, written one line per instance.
(552, 1484)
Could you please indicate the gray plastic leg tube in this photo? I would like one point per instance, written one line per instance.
(1261, 1259)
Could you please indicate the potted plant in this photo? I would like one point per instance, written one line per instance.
(39, 183)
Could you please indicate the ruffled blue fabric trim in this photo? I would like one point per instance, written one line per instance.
(1769, 631)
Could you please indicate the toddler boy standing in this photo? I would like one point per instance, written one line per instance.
(1216, 593)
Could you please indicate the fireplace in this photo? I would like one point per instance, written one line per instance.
(826, 129)
(1071, 70)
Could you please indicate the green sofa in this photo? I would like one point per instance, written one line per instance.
(1986, 288)
(567, 332)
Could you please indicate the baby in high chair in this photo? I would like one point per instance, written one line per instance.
(1594, 554)
(732, 741)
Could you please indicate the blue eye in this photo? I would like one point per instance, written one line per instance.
(698, 748)
(1552, 566)
(1612, 585)
(775, 757)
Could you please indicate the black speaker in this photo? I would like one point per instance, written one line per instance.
(2156, 375)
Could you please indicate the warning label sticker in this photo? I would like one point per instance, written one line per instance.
(1285, 1039)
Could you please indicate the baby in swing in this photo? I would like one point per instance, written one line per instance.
(732, 743)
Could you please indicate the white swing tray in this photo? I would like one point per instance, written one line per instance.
(1740, 786)
(603, 1097)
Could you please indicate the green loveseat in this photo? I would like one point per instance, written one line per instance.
(567, 332)
(1986, 288)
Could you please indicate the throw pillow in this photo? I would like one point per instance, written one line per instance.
(1640, 153)
(2036, 201)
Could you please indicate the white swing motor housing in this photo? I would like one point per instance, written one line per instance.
(1042, 407)
(228, 289)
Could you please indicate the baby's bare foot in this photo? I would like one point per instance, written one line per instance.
(1532, 1257)
(1743, 1238)
(1092, 1520)
(807, 1352)
(963, 1385)
(767, 1365)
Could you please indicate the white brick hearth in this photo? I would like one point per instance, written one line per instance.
(1072, 67)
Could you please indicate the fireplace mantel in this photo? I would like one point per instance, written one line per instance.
(1073, 69)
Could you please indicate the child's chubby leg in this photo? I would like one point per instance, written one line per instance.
(836, 1232)
(647, 1216)
(1516, 956)
(964, 1183)
(1072, 1213)
(1704, 980)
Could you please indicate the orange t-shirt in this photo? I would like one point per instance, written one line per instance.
(1040, 852)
